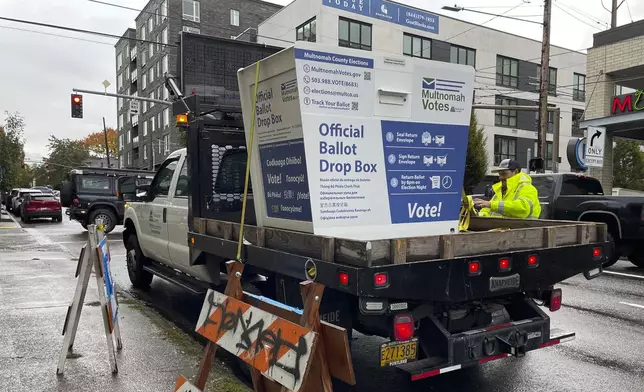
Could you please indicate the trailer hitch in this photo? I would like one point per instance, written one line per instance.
(514, 344)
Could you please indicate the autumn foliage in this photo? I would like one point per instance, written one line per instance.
(95, 143)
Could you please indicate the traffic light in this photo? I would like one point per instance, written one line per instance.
(77, 106)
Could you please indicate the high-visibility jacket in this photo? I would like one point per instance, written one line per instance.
(521, 199)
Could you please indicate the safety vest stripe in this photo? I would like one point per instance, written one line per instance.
(500, 208)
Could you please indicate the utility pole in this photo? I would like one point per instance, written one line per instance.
(107, 149)
(613, 15)
(543, 86)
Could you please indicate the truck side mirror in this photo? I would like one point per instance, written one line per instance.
(489, 192)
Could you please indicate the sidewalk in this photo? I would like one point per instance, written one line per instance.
(37, 285)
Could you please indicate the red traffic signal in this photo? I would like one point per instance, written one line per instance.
(77, 106)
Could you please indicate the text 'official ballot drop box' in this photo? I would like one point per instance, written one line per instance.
(356, 144)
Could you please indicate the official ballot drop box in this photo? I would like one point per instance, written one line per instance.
(356, 144)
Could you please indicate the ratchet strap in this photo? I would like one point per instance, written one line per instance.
(467, 209)
(249, 150)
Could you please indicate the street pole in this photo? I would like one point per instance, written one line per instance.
(543, 87)
(107, 149)
(613, 15)
(555, 139)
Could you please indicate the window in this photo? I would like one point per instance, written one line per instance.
(150, 24)
(120, 122)
(230, 178)
(145, 107)
(129, 136)
(145, 152)
(579, 87)
(163, 8)
(354, 34)
(129, 158)
(461, 55)
(504, 148)
(551, 121)
(552, 81)
(166, 143)
(152, 124)
(416, 46)
(150, 50)
(120, 103)
(166, 117)
(143, 32)
(183, 182)
(166, 94)
(577, 115)
(151, 74)
(507, 71)
(164, 65)
(119, 81)
(164, 36)
(144, 82)
(581, 186)
(159, 121)
(151, 104)
(306, 31)
(549, 147)
(120, 142)
(120, 161)
(191, 10)
(126, 73)
(145, 128)
(160, 149)
(119, 60)
(95, 184)
(234, 17)
(161, 184)
(157, 16)
(505, 118)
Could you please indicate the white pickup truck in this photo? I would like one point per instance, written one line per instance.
(156, 228)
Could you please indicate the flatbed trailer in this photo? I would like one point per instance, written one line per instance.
(445, 302)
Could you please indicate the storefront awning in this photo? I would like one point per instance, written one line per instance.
(628, 125)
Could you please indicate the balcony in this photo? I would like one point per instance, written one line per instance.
(135, 120)
(134, 75)
(133, 53)
(135, 141)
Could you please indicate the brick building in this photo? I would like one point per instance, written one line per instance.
(146, 139)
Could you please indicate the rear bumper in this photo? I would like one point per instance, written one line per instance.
(43, 214)
(78, 214)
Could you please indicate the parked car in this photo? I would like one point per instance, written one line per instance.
(43, 205)
(9, 196)
(16, 201)
(44, 189)
(90, 194)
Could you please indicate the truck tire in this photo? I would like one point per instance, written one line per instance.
(139, 277)
(66, 194)
(108, 217)
(613, 253)
(637, 257)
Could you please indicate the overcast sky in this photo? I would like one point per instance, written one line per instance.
(38, 72)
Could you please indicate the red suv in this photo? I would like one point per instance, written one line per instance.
(40, 205)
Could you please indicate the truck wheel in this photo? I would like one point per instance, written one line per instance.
(139, 277)
(613, 253)
(637, 257)
(108, 217)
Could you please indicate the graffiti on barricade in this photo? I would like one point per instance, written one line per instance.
(278, 348)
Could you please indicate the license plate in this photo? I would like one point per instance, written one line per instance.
(44, 209)
(397, 353)
(506, 282)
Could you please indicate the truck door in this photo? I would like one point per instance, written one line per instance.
(178, 218)
(155, 238)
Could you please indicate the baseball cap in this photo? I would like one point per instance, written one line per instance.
(507, 164)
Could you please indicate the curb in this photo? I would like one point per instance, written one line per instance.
(3, 222)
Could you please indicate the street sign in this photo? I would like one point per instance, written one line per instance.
(595, 140)
(134, 107)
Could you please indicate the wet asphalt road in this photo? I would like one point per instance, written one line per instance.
(607, 314)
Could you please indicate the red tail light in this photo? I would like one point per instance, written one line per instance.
(533, 261)
(505, 264)
(76, 202)
(30, 207)
(403, 327)
(597, 252)
(555, 300)
(474, 267)
(343, 277)
(381, 279)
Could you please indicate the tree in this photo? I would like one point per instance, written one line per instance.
(64, 155)
(476, 161)
(95, 142)
(12, 153)
(628, 165)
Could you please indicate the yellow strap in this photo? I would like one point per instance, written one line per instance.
(249, 151)
(467, 208)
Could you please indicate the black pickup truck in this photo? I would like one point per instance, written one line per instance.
(576, 197)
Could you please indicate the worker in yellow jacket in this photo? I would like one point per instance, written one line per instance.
(514, 195)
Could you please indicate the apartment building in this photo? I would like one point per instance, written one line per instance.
(146, 54)
(507, 65)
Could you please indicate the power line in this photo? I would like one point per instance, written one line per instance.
(75, 30)
(487, 21)
(576, 18)
(55, 35)
(628, 7)
(587, 15)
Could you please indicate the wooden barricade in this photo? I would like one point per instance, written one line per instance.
(94, 254)
(286, 351)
